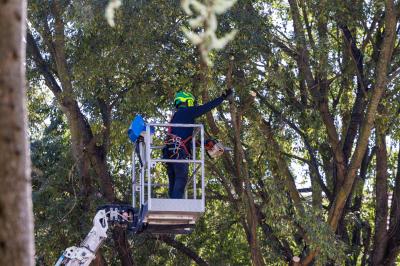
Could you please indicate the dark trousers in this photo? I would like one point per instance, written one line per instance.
(178, 175)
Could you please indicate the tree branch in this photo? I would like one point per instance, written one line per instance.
(282, 248)
(59, 49)
(265, 127)
(105, 111)
(381, 188)
(34, 52)
(304, 64)
(182, 248)
(359, 104)
(310, 150)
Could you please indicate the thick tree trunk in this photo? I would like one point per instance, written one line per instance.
(381, 207)
(16, 229)
(122, 247)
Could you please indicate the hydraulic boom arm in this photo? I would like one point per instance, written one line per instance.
(109, 215)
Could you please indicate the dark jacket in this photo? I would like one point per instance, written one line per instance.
(187, 115)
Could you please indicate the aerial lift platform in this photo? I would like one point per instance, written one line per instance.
(149, 212)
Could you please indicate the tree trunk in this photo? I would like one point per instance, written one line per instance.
(122, 247)
(381, 207)
(99, 260)
(393, 242)
(16, 230)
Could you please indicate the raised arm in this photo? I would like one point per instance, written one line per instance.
(202, 109)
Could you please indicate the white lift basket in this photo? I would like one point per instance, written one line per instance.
(165, 215)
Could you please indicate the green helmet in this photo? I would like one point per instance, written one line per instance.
(184, 97)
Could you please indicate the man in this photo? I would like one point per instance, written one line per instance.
(179, 138)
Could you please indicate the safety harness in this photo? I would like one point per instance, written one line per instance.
(174, 144)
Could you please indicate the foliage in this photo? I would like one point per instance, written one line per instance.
(276, 124)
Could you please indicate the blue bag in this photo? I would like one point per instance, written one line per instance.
(137, 127)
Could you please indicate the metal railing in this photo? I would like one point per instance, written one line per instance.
(144, 183)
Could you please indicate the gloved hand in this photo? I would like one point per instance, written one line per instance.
(227, 94)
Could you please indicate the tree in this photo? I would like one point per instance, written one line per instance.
(316, 104)
(16, 232)
(88, 112)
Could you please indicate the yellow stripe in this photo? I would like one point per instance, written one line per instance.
(184, 99)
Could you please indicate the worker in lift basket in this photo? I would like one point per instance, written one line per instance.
(179, 138)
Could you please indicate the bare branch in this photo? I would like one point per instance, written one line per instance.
(182, 248)
(314, 161)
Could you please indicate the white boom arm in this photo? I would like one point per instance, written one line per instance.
(85, 253)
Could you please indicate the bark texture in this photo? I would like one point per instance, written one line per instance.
(16, 219)
(381, 207)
